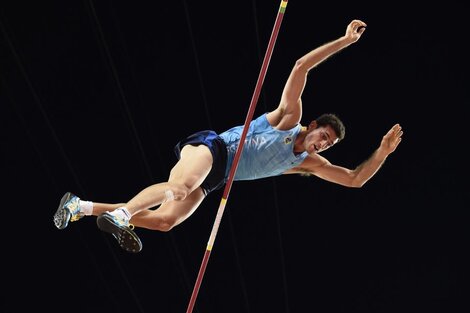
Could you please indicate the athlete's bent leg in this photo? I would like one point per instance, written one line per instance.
(169, 214)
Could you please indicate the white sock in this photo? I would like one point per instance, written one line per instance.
(122, 212)
(86, 207)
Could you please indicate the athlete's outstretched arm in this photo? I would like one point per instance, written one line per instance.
(321, 167)
(289, 111)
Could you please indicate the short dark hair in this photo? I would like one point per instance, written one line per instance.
(335, 122)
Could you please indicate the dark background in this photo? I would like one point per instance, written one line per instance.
(94, 95)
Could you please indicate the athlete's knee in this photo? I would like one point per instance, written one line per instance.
(164, 223)
(166, 227)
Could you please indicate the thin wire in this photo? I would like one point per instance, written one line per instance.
(56, 140)
(115, 75)
(274, 186)
(233, 169)
(198, 67)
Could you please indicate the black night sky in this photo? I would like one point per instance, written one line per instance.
(95, 94)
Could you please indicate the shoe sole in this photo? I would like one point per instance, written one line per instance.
(126, 237)
(62, 215)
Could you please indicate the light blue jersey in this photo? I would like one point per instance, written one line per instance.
(266, 152)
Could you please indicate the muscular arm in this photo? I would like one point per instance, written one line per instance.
(350, 178)
(289, 111)
(321, 167)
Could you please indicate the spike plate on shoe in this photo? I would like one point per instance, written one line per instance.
(125, 236)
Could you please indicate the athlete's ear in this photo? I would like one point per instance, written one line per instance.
(312, 125)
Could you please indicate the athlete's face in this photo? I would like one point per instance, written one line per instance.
(319, 139)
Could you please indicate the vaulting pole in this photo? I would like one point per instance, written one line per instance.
(233, 169)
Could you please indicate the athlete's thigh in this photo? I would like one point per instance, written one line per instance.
(193, 167)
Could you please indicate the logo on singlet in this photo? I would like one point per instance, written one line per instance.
(287, 140)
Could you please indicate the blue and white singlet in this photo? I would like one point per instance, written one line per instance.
(266, 152)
